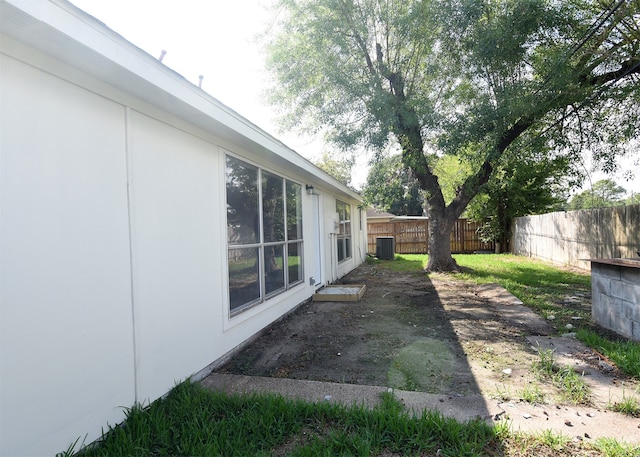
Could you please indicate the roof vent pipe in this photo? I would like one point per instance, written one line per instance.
(162, 54)
(201, 77)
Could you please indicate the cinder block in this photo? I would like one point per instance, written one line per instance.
(616, 313)
(632, 311)
(630, 275)
(633, 294)
(635, 334)
(625, 291)
(622, 325)
(615, 306)
(601, 309)
(600, 313)
(608, 271)
(600, 284)
(616, 289)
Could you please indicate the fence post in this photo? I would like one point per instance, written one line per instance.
(426, 232)
(393, 233)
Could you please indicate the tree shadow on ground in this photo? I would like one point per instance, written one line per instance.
(398, 335)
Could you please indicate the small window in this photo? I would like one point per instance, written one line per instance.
(344, 231)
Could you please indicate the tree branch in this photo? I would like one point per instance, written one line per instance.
(627, 68)
(474, 183)
(359, 41)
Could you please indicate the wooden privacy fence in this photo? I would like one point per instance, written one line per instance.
(411, 236)
(572, 237)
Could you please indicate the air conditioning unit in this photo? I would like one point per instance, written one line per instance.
(385, 247)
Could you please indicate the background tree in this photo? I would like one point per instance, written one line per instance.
(392, 188)
(603, 194)
(521, 186)
(338, 168)
(474, 79)
(634, 199)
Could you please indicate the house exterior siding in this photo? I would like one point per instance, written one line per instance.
(113, 265)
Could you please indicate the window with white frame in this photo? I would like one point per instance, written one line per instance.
(264, 234)
(344, 233)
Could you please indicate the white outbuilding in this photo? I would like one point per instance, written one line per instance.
(146, 230)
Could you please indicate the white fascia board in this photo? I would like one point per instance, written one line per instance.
(65, 32)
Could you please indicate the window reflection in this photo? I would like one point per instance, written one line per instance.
(274, 272)
(344, 233)
(294, 261)
(242, 202)
(272, 207)
(294, 211)
(244, 286)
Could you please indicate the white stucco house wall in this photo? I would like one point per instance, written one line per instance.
(146, 230)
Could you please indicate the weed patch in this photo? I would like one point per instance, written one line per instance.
(532, 394)
(195, 421)
(625, 354)
(629, 405)
(572, 387)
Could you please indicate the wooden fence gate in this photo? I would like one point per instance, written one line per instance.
(411, 236)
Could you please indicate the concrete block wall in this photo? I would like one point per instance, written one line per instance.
(615, 291)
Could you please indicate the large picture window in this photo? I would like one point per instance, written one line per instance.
(264, 234)
(344, 233)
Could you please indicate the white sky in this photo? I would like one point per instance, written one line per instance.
(218, 39)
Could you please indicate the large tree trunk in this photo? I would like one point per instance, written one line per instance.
(441, 218)
(440, 258)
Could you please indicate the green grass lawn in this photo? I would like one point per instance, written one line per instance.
(547, 289)
(193, 421)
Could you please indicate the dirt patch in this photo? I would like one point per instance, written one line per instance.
(432, 334)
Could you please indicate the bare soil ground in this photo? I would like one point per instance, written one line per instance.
(429, 333)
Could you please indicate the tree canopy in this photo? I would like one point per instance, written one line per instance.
(480, 80)
(336, 167)
(392, 188)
